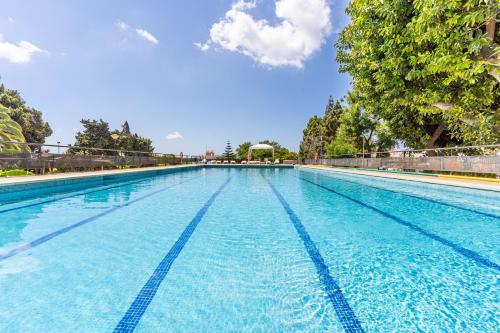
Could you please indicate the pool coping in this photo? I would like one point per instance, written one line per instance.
(18, 180)
(24, 180)
(457, 182)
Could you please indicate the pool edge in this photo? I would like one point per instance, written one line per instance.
(455, 182)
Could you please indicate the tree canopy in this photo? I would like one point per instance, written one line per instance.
(280, 152)
(345, 129)
(34, 128)
(242, 150)
(97, 134)
(10, 131)
(428, 68)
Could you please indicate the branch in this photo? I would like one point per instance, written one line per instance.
(443, 106)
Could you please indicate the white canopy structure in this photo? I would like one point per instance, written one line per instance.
(260, 146)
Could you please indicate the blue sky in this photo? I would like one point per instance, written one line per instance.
(209, 70)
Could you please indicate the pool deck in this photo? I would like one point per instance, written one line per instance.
(4, 181)
(492, 185)
(72, 175)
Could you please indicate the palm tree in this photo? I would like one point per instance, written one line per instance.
(10, 131)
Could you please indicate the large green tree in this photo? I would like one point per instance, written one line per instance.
(331, 119)
(34, 128)
(360, 130)
(126, 140)
(313, 141)
(321, 130)
(428, 68)
(97, 134)
(10, 133)
(242, 150)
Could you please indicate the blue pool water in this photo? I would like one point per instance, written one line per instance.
(251, 250)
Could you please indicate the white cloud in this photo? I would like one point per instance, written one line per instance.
(174, 136)
(20, 53)
(147, 36)
(10, 19)
(301, 31)
(202, 46)
(122, 25)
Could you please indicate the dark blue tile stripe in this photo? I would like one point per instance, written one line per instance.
(136, 310)
(455, 247)
(412, 196)
(46, 238)
(345, 314)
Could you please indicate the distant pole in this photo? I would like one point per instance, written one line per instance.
(58, 144)
(363, 158)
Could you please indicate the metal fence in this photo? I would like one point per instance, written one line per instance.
(74, 158)
(470, 159)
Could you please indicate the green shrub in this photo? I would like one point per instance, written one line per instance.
(15, 172)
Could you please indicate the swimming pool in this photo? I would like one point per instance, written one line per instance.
(251, 250)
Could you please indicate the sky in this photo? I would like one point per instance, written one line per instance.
(188, 74)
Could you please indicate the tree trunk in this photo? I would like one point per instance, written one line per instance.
(437, 133)
(490, 27)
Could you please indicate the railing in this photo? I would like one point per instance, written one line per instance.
(470, 159)
(74, 158)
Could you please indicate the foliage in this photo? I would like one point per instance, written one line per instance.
(280, 152)
(290, 156)
(34, 128)
(345, 130)
(242, 150)
(319, 132)
(360, 130)
(331, 119)
(313, 143)
(341, 145)
(97, 134)
(426, 67)
(10, 131)
(15, 172)
(228, 151)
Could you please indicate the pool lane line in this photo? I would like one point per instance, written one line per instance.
(141, 302)
(80, 193)
(46, 238)
(345, 314)
(413, 196)
(455, 247)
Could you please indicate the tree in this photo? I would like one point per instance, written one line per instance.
(125, 128)
(228, 151)
(10, 131)
(280, 152)
(331, 119)
(428, 68)
(290, 155)
(313, 143)
(341, 145)
(321, 131)
(125, 140)
(97, 134)
(34, 128)
(242, 150)
(360, 129)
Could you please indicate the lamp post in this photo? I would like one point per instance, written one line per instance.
(363, 158)
(363, 137)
